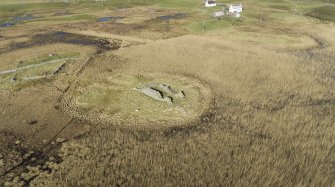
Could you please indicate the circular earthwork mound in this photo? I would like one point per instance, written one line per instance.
(141, 100)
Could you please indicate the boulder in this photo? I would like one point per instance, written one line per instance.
(165, 88)
(153, 93)
(168, 100)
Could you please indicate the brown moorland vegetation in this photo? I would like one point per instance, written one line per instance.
(270, 122)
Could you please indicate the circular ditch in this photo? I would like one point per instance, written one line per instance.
(139, 100)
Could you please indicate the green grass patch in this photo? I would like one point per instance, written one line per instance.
(186, 4)
(76, 17)
(324, 13)
(39, 71)
(211, 25)
(47, 58)
(21, 77)
(21, 8)
(280, 6)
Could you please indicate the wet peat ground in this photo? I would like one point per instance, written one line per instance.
(64, 37)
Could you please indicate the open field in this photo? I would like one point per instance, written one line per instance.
(159, 93)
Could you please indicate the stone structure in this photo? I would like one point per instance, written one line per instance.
(161, 92)
(155, 94)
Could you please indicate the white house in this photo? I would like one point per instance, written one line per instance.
(236, 8)
(210, 3)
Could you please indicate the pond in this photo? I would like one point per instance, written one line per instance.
(173, 16)
(106, 19)
(15, 20)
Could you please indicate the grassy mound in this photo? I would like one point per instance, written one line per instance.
(118, 99)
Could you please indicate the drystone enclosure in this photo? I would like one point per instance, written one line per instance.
(142, 100)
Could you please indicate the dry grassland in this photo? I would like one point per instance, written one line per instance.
(29, 114)
(272, 122)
